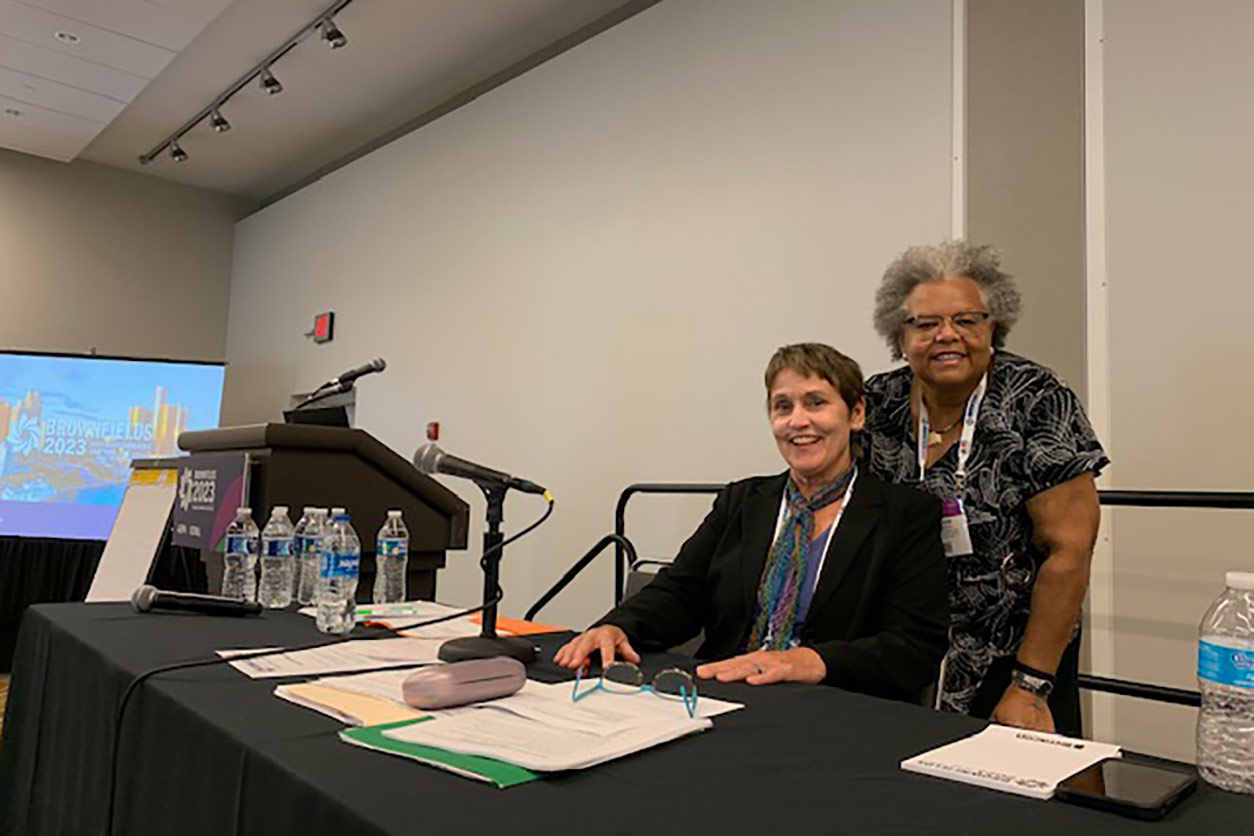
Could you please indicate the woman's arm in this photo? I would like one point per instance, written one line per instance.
(1065, 520)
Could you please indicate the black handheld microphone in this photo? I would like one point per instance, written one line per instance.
(375, 365)
(147, 598)
(431, 459)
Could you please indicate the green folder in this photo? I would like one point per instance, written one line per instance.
(498, 773)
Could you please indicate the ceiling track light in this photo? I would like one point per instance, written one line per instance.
(269, 83)
(331, 33)
(218, 122)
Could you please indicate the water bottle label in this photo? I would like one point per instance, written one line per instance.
(1225, 665)
(240, 544)
(340, 565)
(393, 548)
(278, 548)
(306, 545)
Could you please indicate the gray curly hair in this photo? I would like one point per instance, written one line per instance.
(932, 262)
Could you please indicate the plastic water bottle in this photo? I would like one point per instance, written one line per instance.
(1225, 676)
(239, 575)
(308, 547)
(391, 557)
(277, 565)
(336, 591)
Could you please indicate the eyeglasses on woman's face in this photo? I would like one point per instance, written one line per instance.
(968, 323)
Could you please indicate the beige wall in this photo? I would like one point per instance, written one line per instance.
(583, 272)
(98, 258)
(1025, 165)
(1178, 130)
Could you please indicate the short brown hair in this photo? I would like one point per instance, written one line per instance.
(818, 360)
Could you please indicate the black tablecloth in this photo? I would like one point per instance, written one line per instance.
(208, 751)
(35, 570)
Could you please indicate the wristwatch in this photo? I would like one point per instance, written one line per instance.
(1033, 681)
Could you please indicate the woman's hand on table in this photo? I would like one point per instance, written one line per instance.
(611, 641)
(1023, 709)
(801, 664)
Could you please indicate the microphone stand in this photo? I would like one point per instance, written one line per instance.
(324, 391)
(488, 644)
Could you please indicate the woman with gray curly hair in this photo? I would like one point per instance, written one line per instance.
(1005, 444)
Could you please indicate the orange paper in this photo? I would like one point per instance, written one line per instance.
(519, 627)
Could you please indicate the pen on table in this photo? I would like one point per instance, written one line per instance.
(387, 610)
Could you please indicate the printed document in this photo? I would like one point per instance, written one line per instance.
(353, 655)
(543, 729)
(1012, 760)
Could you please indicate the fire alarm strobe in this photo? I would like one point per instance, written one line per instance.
(323, 328)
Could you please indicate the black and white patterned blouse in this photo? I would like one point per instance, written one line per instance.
(1031, 434)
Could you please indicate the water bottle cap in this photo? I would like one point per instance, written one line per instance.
(1240, 580)
(279, 509)
(396, 514)
(309, 509)
(244, 509)
(335, 512)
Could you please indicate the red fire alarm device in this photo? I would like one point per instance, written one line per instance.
(324, 327)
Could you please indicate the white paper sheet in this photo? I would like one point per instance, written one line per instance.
(1011, 760)
(495, 732)
(345, 656)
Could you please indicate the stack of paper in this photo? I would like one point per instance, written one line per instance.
(355, 655)
(347, 707)
(494, 772)
(541, 729)
(1012, 760)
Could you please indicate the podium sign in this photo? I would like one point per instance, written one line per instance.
(211, 487)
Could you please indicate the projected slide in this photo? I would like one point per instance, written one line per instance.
(69, 427)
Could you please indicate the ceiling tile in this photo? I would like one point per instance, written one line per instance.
(172, 26)
(33, 90)
(40, 143)
(75, 72)
(108, 49)
(51, 121)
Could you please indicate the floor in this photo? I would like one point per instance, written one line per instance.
(4, 696)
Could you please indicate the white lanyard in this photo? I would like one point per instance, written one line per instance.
(831, 532)
(964, 441)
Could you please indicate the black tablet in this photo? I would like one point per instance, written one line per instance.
(1139, 790)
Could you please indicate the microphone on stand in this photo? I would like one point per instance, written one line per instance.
(148, 598)
(376, 365)
(429, 458)
(344, 382)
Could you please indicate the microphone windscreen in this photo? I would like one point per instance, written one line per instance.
(427, 458)
(379, 364)
(142, 598)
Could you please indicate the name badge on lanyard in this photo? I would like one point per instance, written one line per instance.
(955, 535)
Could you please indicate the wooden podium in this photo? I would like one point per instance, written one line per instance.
(298, 465)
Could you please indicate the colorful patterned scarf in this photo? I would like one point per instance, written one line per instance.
(779, 591)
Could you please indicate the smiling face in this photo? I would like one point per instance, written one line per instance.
(949, 356)
(811, 424)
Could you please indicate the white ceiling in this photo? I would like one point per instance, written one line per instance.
(143, 67)
(69, 67)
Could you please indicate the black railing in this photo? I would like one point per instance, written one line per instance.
(620, 519)
(1223, 500)
(621, 544)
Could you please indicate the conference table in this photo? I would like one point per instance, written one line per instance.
(210, 751)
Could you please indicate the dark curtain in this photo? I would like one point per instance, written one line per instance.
(36, 570)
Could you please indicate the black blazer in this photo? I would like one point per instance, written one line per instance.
(880, 613)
